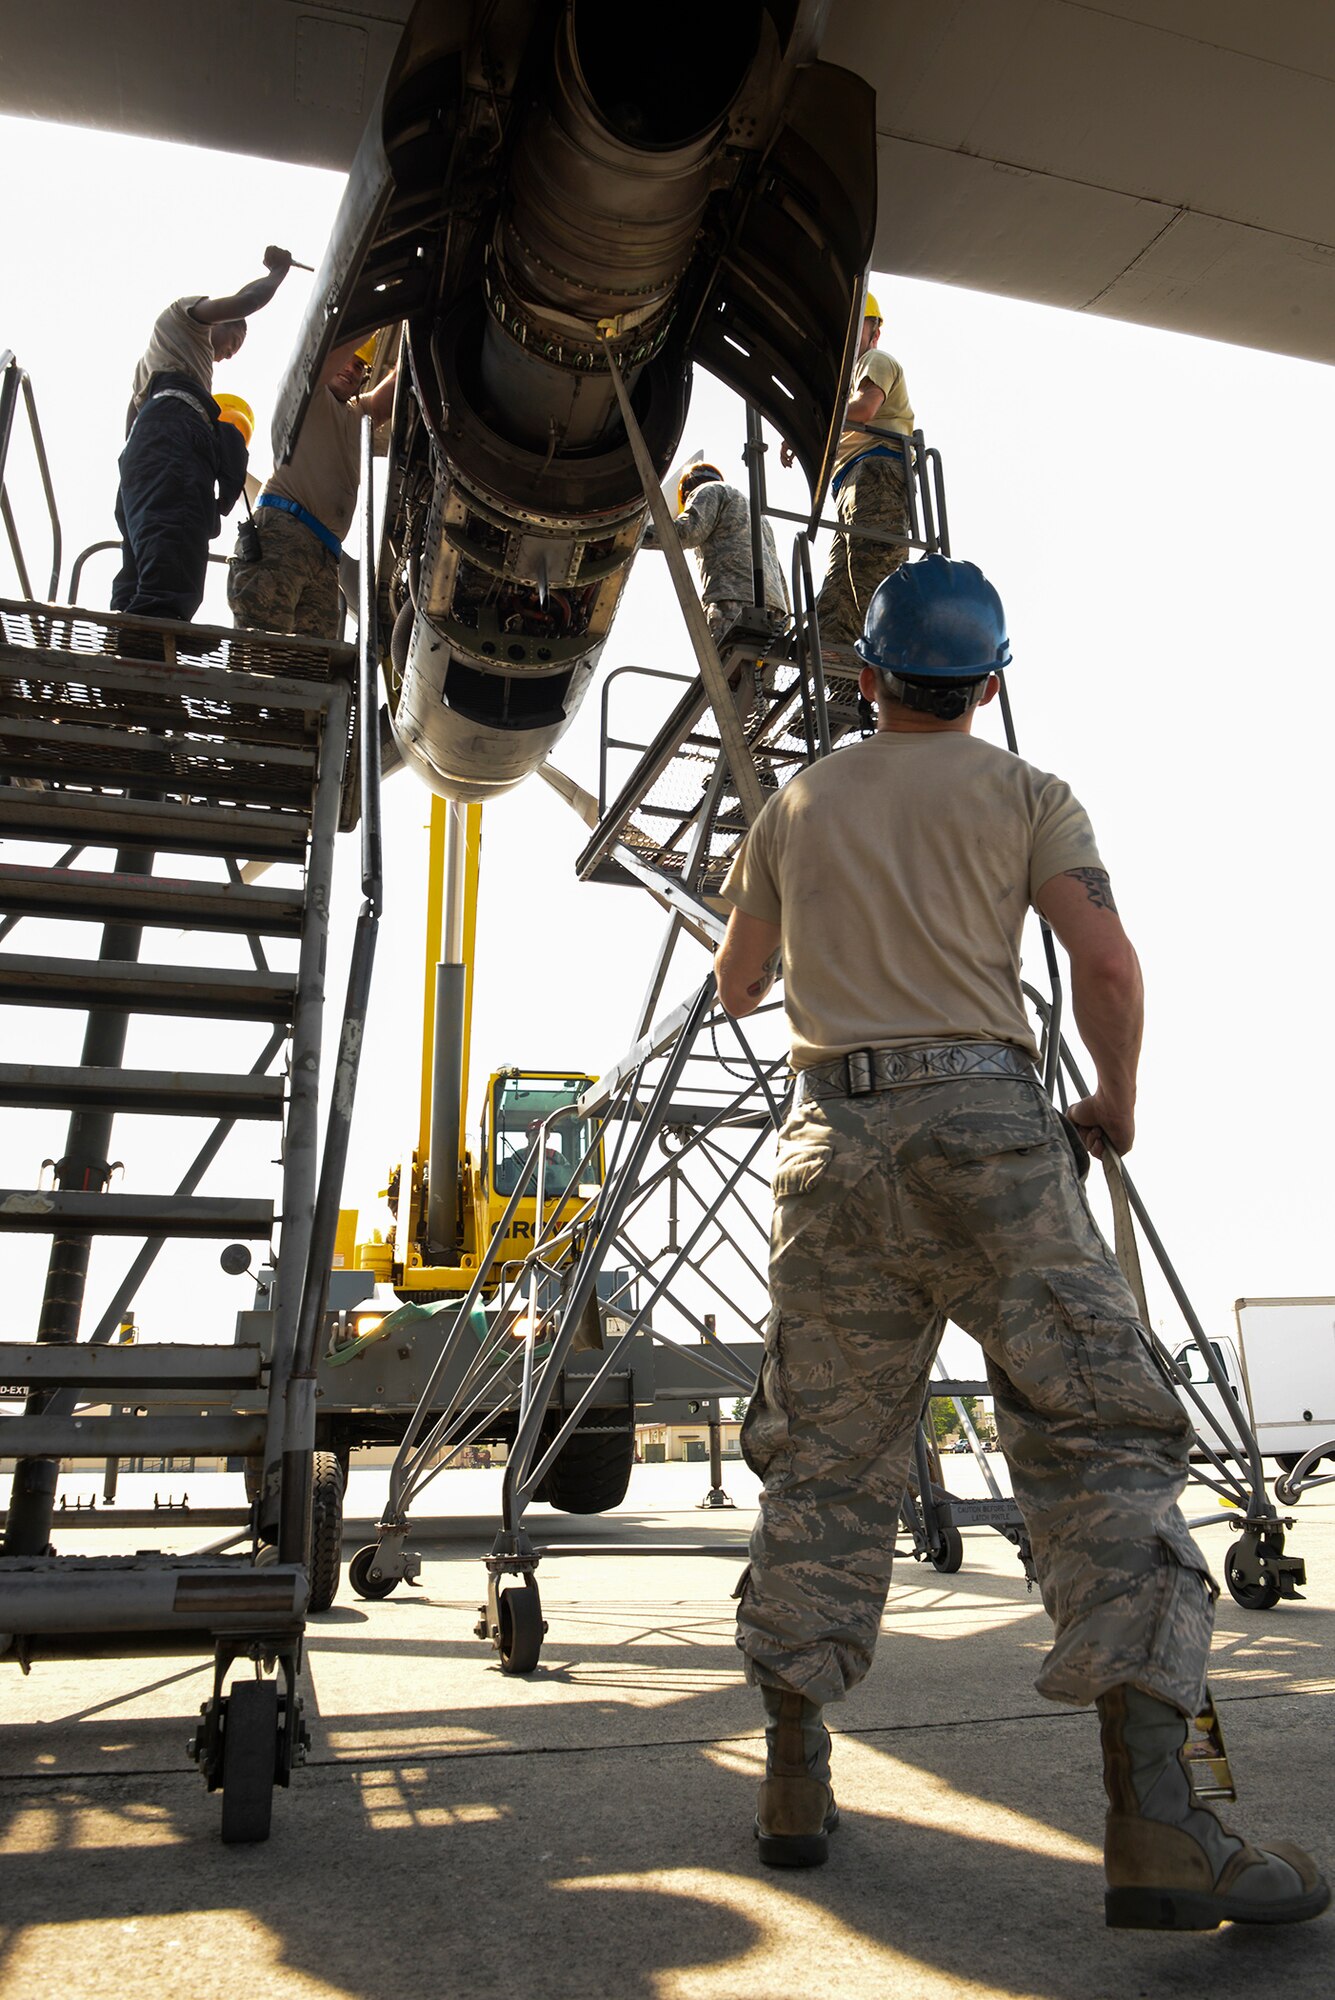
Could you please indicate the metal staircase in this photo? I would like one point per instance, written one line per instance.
(683, 1118)
(672, 813)
(190, 746)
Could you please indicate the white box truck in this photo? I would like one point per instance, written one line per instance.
(1282, 1370)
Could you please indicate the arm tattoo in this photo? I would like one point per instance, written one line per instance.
(769, 972)
(1097, 887)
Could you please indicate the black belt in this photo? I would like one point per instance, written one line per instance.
(868, 1070)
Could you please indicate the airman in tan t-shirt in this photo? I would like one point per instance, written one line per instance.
(901, 920)
(306, 508)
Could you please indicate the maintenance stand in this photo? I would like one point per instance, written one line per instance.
(151, 738)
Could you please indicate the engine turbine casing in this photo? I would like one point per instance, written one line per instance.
(538, 510)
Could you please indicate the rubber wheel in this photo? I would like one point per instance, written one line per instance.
(326, 1530)
(1262, 1596)
(249, 1761)
(522, 1629)
(592, 1473)
(359, 1575)
(950, 1556)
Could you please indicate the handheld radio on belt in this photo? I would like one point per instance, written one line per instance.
(248, 547)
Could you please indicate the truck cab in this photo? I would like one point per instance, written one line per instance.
(1189, 1360)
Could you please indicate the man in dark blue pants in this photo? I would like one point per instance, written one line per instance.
(181, 469)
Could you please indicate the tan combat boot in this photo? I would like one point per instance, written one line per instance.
(1171, 1863)
(797, 1809)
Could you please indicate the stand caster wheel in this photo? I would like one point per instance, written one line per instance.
(249, 1761)
(361, 1579)
(522, 1627)
(1253, 1596)
(950, 1556)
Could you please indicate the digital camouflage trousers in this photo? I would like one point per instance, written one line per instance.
(294, 585)
(894, 1213)
(873, 496)
(751, 683)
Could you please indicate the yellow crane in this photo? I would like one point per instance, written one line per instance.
(448, 1198)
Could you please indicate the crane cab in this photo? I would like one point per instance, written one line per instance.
(521, 1105)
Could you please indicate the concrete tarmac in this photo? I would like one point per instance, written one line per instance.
(587, 1831)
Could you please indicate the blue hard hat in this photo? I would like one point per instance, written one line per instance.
(935, 620)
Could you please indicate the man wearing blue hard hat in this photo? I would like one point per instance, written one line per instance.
(923, 1175)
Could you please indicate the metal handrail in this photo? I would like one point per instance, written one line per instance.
(608, 742)
(810, 657)
(299, 1420)
(1244, 1447)
(12, 379)
(1052, 1020)
(925, 488)
(100, 548)
(368, 692)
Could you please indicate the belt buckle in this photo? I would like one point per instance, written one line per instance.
(860, 1073)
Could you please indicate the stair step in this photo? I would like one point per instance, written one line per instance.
(223, 767)
(68, 1604)
(112, 1370)
(213, 667)
(89, 895)
(51, 1211)
(110, 820)
(166, 735)
(225, 1435)
(96, 1519)
(179, 1093)
(218, 994)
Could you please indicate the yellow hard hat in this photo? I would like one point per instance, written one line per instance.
(692, 478)
(366, 352)
(871, 310)
(236, 410)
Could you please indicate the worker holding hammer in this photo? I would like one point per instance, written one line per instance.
(181, 468)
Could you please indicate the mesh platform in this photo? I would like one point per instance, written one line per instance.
(227, 716)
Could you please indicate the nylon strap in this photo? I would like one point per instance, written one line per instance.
(1124, 1232)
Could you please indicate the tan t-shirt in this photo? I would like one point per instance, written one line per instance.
(900, 871)
(324, 471)
(177, 344)
(895, 415)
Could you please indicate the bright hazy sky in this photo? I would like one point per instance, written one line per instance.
(1155, 512)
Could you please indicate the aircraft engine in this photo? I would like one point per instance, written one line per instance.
(530, 192)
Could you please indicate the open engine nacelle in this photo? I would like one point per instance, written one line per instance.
(529, 193)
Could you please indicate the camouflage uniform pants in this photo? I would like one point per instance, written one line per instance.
(721, 614)
(874, 495)
(893, 1213)
(294, 585)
